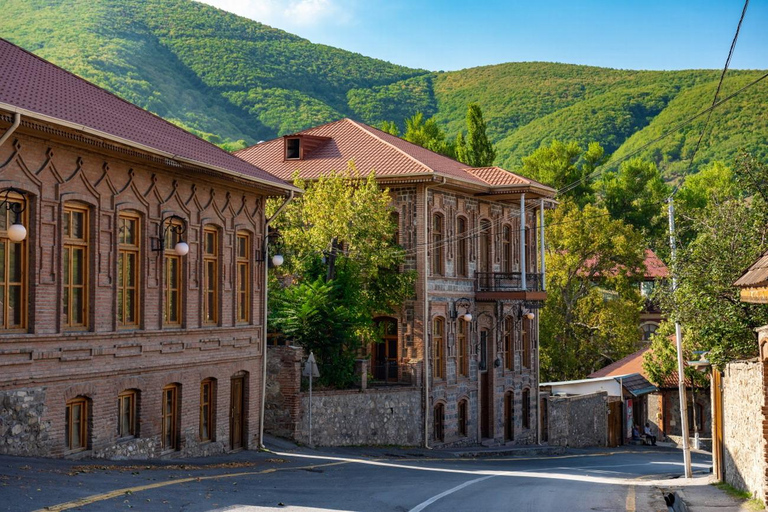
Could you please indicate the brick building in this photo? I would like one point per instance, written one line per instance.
(117, 340)
(462, 232)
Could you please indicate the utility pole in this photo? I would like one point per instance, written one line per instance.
(679, 340)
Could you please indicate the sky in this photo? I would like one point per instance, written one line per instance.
(454, 34)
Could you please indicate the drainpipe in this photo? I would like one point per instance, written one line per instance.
(288, 199)
(9, 131)
(523, 280)
(541, 244)
(425, 320)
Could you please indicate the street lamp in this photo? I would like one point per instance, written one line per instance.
(181, 248)
(16, 232)
(277, 259)
(464, 303)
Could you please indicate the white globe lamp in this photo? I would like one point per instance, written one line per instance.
(17, 232)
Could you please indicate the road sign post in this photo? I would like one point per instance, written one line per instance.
(311, 371)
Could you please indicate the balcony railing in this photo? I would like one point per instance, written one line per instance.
(507, 282)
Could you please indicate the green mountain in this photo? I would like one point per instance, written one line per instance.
(231, 79)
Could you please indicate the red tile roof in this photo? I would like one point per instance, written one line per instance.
(654, 267)
(633, 363)
(374, 150)
(37, 88)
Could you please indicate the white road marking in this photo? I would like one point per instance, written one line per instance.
(425, 504)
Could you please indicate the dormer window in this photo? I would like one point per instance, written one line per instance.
(293, 149)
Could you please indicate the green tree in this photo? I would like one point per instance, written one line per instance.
(636, 194)
(346, 219)
(390, 127)
(561, 164)
(593, 304)
(479, 150)
(427, 134)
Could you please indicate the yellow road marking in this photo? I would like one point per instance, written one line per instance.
(631, 499)
(122, 492)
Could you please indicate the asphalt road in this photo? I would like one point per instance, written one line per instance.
(625, 480)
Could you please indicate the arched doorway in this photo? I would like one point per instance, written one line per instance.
(384, 354)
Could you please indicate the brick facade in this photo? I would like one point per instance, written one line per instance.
(56, 167)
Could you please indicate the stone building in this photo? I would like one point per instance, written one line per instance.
(470, 335)
(131, 301)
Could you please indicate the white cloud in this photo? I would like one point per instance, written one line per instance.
(287, 14)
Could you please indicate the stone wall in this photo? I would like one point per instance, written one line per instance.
(390, 416)
(282, 407)
(744, 435)
(22, 428)
(578, 421)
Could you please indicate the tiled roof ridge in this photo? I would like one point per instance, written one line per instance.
(132, 105)
(364, 127)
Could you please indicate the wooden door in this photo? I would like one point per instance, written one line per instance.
(718, 460)
(236, 413)
(614, 423)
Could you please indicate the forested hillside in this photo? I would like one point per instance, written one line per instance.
(231, 79)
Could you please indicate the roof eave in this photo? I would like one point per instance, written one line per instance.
(280, 185)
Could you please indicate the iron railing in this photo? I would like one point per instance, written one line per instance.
(506, 282)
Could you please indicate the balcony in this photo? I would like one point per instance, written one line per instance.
(490, 286)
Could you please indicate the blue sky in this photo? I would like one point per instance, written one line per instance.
(452, 34)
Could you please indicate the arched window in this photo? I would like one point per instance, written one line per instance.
(438, 429)
(207, 410)
(527, 326)
(462, 245)
(75, 273)
(384, 353)
(128, 270)
(170, 416)
(172, 275)
(526, 408)
(76, 427)
(438, 348)
(462, 348)
(648, 329)
(486, 247)
(438, 249)
(243, 262)
(509, 346)
(14, 272)
(463, 418)
(509, 416)
(507, 257)
(210, 275)
(128, 413)
(395, 218)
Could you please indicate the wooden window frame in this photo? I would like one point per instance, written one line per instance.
(288, 140)
(526, 408)
(125, 250)
(172, 237)
(82, 430)
(509, 345)
(207, 409)
(69, 245)
(243, 268)
(5, 283)
(462, 249)
(438, 249)
(438, 422)
(438, 347)
(462, 349)
(131, 397)
(170, 418)
(463, 417)
(211, 283)
(525, 337)
(507, 251)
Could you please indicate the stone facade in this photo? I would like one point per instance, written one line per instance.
(578, 421)
(282, 411)
(745, 431)
(362, 417)
(46, 364)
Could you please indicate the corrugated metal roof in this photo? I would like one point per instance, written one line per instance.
(756, 275)
(32, 85)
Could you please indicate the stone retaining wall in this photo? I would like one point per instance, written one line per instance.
(385, 416)
(744, 434)
(282, 407)
(22, 428)
(578, 421)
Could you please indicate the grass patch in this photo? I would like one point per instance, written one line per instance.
(752, 503)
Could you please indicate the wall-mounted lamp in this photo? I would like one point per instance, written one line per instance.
(178, 228)
(261, 256)
(16, 231)
(463, 303)
(524, 313)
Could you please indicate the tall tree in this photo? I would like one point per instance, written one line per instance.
(480, 152)
(427, 134)
(390, 127)
(591, 314)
